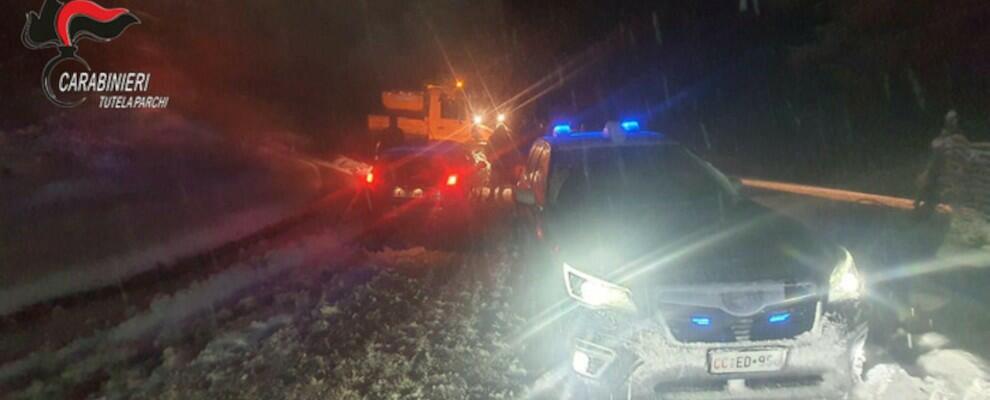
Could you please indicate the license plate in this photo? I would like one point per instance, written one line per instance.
(762, 360)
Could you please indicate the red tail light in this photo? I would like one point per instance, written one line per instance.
(370, 177)
(452, 180)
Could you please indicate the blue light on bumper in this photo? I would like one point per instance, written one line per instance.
(779, 318)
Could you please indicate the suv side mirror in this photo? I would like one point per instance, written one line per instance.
(524, 196)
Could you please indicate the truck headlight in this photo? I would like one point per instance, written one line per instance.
(596, 293)
(845, 283)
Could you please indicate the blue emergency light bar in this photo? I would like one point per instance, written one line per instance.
(779, 318)
(561, 129)
(630, 126)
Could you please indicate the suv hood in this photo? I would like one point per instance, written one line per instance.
(742, 243)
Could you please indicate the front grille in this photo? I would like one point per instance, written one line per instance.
(723, 327)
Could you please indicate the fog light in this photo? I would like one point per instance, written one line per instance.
(581, 362)
(597, 294)
(590, 359)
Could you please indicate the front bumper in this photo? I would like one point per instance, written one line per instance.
(643, 361)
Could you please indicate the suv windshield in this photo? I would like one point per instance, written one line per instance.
(599, 179)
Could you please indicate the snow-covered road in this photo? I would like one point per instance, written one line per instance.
(317, 314)
(409, 323)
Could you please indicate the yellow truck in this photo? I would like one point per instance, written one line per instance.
(436, 113)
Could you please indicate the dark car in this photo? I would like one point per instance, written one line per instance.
(682, 286)
(429, 184)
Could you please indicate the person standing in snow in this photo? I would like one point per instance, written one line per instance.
(929, 185)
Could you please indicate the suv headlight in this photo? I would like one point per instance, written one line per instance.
(596, 293)
(845, 282)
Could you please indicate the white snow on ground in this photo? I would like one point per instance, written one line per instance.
(203, 296)
(107, 272)
(83, 357)
(946, 374)
(228, 345)
(391, 335)
(415, 257)
(964, 373)
(890, 381)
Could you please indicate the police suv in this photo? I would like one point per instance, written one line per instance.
(674, 285)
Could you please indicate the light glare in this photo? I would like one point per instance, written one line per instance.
(580, 362)
(595, 292)
(562, 128)
(630, 126)
(779, 317)
(845, 283)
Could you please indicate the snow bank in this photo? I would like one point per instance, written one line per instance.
(234, 344)
(90, 203)
(964, 373)
(946, 374)
(78, 278)
(83, 357)
(170, 311)
(891, 382)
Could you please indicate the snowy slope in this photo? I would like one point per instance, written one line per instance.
(88, 204)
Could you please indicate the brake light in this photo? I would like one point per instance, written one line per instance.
(452, 180)
(369, 177)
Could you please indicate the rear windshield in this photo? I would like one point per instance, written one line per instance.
(423, 168)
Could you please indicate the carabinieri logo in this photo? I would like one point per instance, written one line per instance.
(62, 25)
